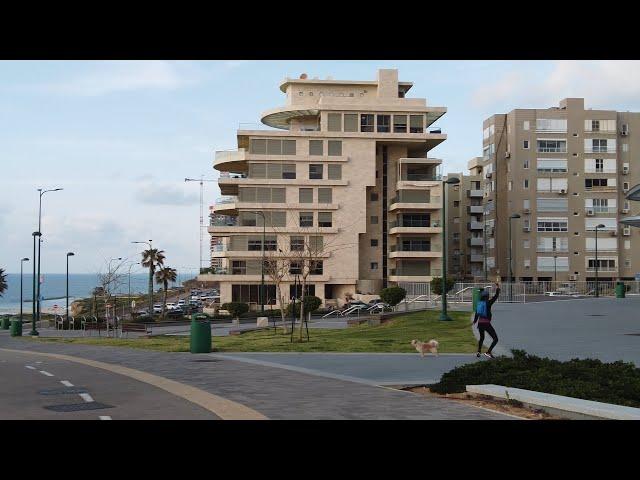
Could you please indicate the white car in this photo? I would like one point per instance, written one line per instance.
(181, 302)
(171, 306)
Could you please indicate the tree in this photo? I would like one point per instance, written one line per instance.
(393, 295)
(3, 282)
(108, 283)
(436, 285)
(163, 277)
(276, 266)
(152, 258)
(311, 304)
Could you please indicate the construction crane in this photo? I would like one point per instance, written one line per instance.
(202, 226)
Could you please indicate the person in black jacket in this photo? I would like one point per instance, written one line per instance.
(484, 322)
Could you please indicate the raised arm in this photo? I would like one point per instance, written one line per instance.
(495, 297)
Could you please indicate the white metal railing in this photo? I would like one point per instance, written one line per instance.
(600, 209)
(600, 150)
(601, 170)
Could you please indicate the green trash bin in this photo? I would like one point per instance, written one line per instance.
(6, 323)
(620, 290)
(16, 327)
(200, 334)
(476, 297)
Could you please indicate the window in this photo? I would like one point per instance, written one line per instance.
(600, 165)
(288, 171)
(600, 125)
(316, 243)
(273, 147)
(526, 243)
(366, 122)
(416, 123)
(261, 195)
(596, 183)
(373, 197)
(606, 264)
(334, 122)
(334, 148)
(350, 122)
(373, 220)
(553, 244)
(258, 146)
(456, 219)
(315, 171)
(604, 244)
(550, 264)
(552, 146)
(525, 144)
(296, 244)
(627, 244)
(374, 265)
(255, 243)
(600, 145)
(610, 224)
(400, 124)
(334, 171)
(552, 204)
(525, 183)
(488, 151)
(414, 220)
(525, 125)
(625, 186)
(272, 170)
(552, 225)
(316, 267)
(295, 267)
(525, 164)
(551, 184)
(325, 195)
(526, 204)
(325, 219)
(510, 185)
(456, 203)
(374, 242)
(384, 123)
(552, 165)
(251, 294)
(315, 147)
(305, 195)
(306, 219)
(527, 263)
(625, 147)
(558, 125)
(239, 267)
(295, 291)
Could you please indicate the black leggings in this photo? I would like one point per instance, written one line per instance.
(487, 327)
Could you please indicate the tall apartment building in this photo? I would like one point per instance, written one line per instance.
(345, 171)
(564, 170)
(465, 254)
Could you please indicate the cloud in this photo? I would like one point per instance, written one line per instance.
(613, 84)
(122, 76)
(165, 194)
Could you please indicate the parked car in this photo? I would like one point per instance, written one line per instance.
(175, 312)
(157, 308)
(374, 301)
(181, 302)
(141, 312)
(171, 306)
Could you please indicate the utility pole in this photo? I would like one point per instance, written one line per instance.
(201, 180)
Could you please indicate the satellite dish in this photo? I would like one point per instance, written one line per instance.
(303, 76)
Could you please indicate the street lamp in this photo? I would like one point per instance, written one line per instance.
(34, 332)
(264, 231)
(555, 270)
(150, 280)
(36, 279)
(115, 298)
(129, 275)
(597, 289)
(513, 216)
(25, 259)
(450, 181)
(69, 254)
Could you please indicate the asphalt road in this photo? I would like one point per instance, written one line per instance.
(41, 388)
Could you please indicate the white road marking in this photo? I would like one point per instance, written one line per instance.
(38, 362)
(66, 383)
(30, 367)
(86, 397)
(104, 417)
(47, 373)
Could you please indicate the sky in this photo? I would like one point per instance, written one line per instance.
(120, 137)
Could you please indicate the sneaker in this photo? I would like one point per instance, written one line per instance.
(478, 355)
(488, 355)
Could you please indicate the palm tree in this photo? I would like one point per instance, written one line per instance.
(3, 282)
(164, 276)
(152, 258)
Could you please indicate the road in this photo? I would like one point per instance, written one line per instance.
(42, 388)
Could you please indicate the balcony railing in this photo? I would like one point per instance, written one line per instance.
(400, 272)
(602, 268)
(600, 150)
(475, 242)
(602, 249)
(601, 188)
(476, 225)
(551, 250)
(230, 155)
(402, 199)
(225, 200)
(221, 222)
(601, 170)
(434, 247)
(600, 209)
(475, 193)
(475, 209)
(410, 224)
(421, 177)
(232, 175)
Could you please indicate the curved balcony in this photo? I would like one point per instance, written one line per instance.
(225, 206)
(231, 161)
(281, 117)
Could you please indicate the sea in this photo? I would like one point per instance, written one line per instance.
(53, 288)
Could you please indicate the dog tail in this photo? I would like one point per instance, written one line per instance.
(435, 342)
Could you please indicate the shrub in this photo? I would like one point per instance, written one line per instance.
(589, 379)
(393, 295)
(311, 304)
(142, 319)
(436, 285)
(236, 309)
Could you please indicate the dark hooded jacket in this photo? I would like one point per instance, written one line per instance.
(485, 296)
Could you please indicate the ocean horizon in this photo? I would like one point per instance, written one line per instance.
(81, 285)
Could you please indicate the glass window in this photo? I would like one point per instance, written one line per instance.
(305, 195)
(334, 122)
(374, 265)
(334, 148)
(288, 147)
(315, 171)
(350, 122)
(374, 220)
(296, 244)
(289, 171)
(416, 123)
(325, 195)
(374, 197)
(366, 122)
(325, 219)
(258, 146)
(316, 243)
(306, 219)
(374, 242)
(552, 146)
(525, 144)
(400, 124)
(551, 165)
(257, 170)
(334, 171)
(315, 147)
(384, 123)
(274, 147)
(316, 267)
(295, 267)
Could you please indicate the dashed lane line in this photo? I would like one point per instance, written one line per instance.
(44, 372)
(86, 397)
(66, 383)
(104, 417)
(30, 367)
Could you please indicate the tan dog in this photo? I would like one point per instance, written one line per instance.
(422, 347)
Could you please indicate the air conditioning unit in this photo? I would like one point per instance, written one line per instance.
(489, 175)
(573, 277)
(626, 231)
(625, 170)
(625, 190)
(614, 233)
(625, 130)
(563, 191)
(507, 155)
(526, 210)
(625, 210)
(526, 229)
(590, 213)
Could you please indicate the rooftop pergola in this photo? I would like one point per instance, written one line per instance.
(634, 196)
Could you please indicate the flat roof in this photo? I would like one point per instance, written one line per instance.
(405, 86)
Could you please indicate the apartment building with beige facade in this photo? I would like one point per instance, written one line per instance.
(565, 170)
(344, 170)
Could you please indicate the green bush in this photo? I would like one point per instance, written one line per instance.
(436, 285)
(311, 304)
(236, 309)
(617, 382)
(393, 295)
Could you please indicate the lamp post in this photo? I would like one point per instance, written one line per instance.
(450, 181)
(513, 216)
(129, 275)
(34, 332)
(264, 234)
(115, 306)
(150, 280)
(25, 259)
(484, 246)
(69, 254)
(597, 287)
(36, 279)
(555, 270)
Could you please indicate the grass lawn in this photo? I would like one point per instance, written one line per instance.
(454, 337)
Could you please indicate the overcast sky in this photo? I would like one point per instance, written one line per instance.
(120, 137)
